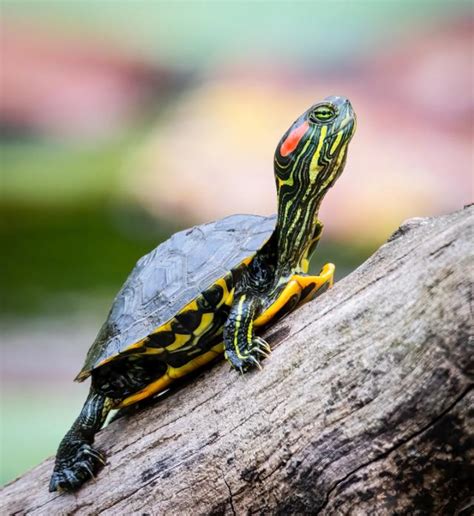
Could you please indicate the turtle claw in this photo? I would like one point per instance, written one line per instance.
(263, 353)
(70, 473)
(94, 454)
(262, 347)
(250, 358)
(262, 344)
(255, 361)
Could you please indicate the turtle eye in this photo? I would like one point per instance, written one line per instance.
(323, 113)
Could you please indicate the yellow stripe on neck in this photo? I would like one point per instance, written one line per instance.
(336, 142)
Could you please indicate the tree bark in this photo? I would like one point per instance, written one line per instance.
(364, 407)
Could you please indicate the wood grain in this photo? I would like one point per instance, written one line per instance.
(364, 407)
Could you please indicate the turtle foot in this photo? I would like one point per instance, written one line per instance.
(80, 465)
(251, 358)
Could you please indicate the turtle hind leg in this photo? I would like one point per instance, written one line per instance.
(76, 459)
(299, 290)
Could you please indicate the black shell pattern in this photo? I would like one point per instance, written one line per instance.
(172, 275)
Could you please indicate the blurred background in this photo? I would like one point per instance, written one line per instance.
(122, 122)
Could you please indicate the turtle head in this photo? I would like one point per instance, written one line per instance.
(308, 160)
(312, 153)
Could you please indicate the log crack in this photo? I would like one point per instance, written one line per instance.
(364, 410)
(394, 448)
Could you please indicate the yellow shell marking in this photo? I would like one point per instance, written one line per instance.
(206, 321)
(179, 342)
(172, 374)
(296, 284)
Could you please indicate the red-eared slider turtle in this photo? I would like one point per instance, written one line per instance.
(207, 289)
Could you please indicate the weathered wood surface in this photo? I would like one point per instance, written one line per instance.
(364, 407)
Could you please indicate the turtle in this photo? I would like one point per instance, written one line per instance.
(212, 289)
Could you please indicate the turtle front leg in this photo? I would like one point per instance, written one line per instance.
(243, 349)
(76, 459)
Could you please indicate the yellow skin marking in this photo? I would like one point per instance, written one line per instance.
(304, 264)
(289, 204)
(192, 305)
(250, 331)
(336, 142)
(296, 221)
(314, 170)
(237, 326)
(314, 167)
(288, 181)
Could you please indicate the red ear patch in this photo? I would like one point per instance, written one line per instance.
(292, 140)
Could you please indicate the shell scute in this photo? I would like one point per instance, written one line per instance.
(168, 278)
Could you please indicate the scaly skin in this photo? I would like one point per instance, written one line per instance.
(308, 160)
(76, 459)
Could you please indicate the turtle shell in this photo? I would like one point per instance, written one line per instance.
(171, 276)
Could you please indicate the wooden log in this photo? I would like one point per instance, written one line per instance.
(364, 407)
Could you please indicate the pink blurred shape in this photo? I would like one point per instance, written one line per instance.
(60, 85)
(411, 155)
